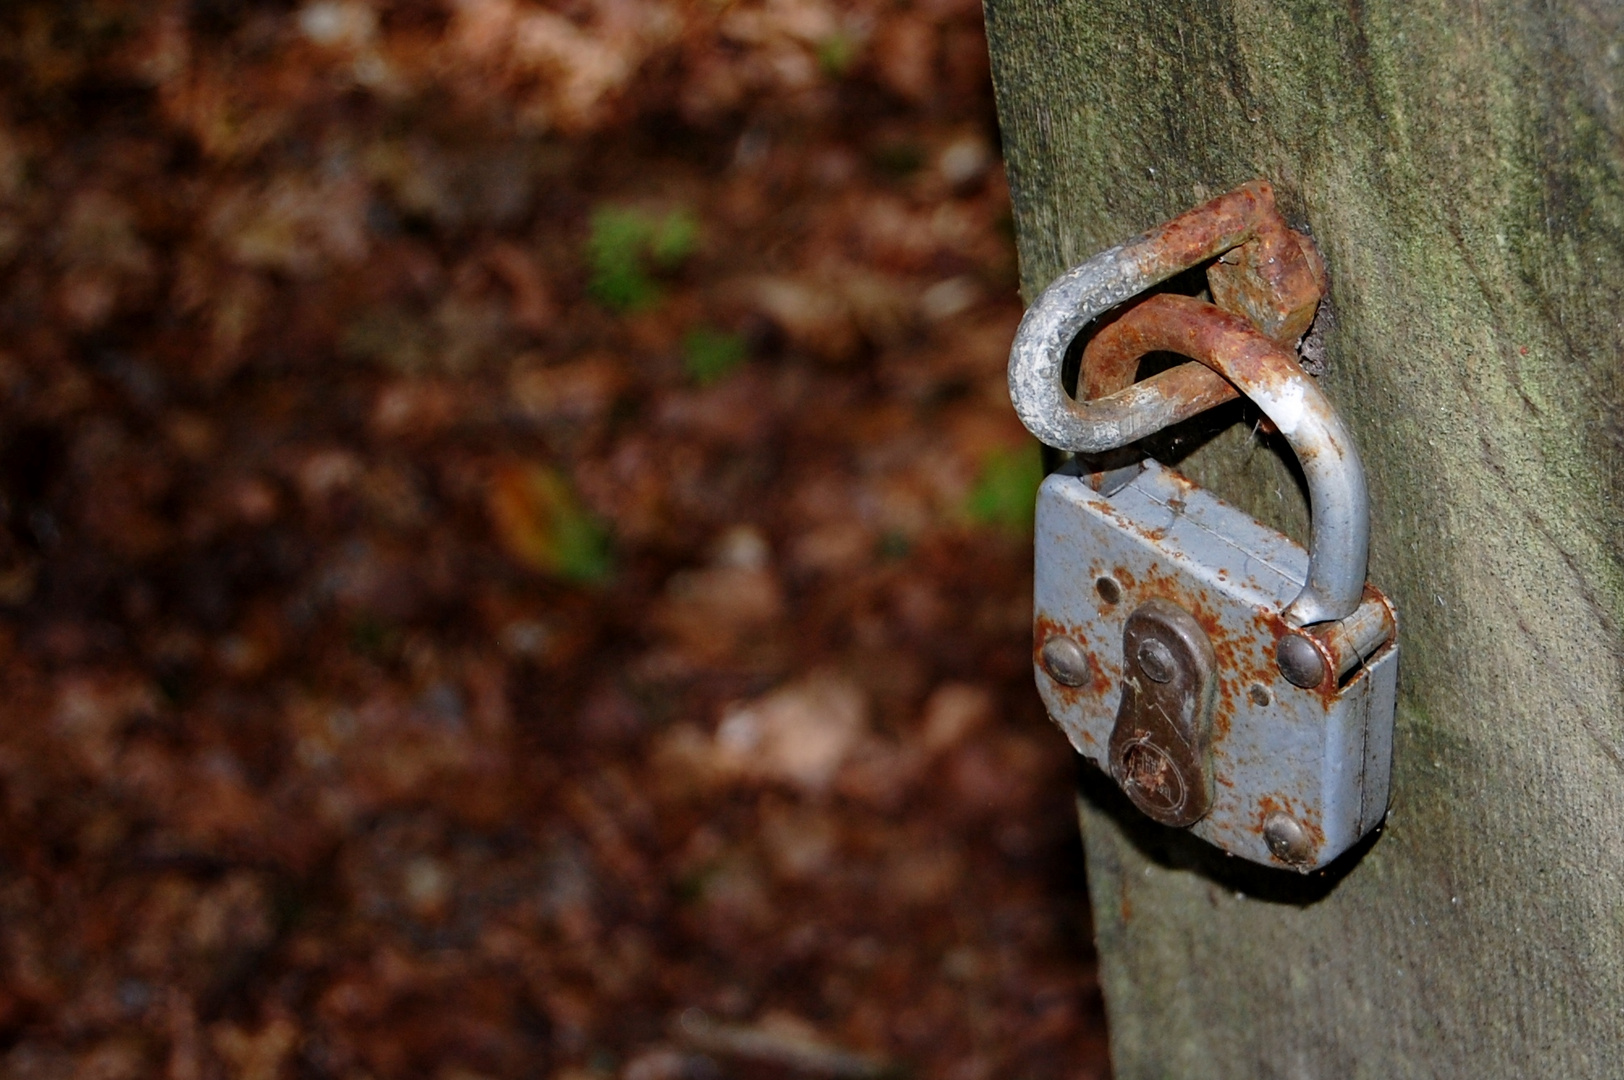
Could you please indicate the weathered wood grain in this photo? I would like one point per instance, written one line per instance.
(1462, 167)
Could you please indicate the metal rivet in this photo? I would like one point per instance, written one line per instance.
(1260, 694)
(1300, 661)
(1156, 660)
(1108, 589)
(1288, 841)
(1065, 661)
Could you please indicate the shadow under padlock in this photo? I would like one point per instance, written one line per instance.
(1233, 684)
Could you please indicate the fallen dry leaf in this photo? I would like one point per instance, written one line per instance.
(540, 522)
(800, 734)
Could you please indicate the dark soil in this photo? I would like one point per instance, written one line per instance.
(515, 554)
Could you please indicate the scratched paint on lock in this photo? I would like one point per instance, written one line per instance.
(1322, 755)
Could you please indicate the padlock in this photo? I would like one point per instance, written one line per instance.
(1232, 683)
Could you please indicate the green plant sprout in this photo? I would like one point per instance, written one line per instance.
(624, 242)
(1006, 492)
(836, 54)
(710, 355)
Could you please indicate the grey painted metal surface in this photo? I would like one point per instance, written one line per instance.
(1322, 756)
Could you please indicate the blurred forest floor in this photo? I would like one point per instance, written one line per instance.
(515, 555)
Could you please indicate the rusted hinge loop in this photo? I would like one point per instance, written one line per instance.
(1268, 273)
(1267, 283)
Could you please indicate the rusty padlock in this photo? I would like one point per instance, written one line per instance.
(1230, 682)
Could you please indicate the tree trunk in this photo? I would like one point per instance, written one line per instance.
(1459, 165)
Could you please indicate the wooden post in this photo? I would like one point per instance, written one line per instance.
(1461, 166)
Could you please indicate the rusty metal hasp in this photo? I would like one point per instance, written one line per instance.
(1231, 682)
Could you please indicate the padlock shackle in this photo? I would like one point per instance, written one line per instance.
(1271, 377)
(1047, 330)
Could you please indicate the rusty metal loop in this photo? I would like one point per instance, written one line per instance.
(1047, 330)
(1271, 377)
(1277, 287)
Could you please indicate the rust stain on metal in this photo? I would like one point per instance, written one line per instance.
(1238, 352)
(1348, 647)
(1043, 628)
(1236, 657)
(1276, 280)
(1101, 684)
(1265, 273)
(1271, 804)
(1226, 343)
(1098, 685)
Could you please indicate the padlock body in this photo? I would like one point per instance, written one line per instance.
(1320, 756)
